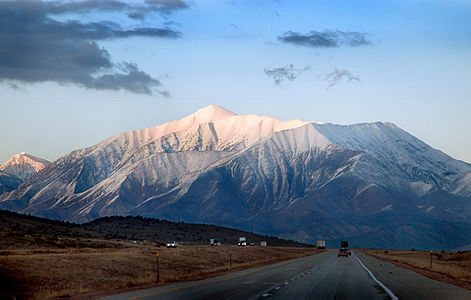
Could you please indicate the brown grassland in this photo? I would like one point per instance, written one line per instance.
(450, 267)
(65, 272)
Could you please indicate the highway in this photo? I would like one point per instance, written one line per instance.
(321, 276)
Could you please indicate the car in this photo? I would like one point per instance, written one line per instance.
(172, 244)
(242, 243)
(343, 252)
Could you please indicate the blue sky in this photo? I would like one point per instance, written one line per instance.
(97, 68)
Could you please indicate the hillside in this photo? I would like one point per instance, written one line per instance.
(22, 231)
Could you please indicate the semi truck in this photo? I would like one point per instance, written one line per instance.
(320, 244)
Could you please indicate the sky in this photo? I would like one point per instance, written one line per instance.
(73, 73)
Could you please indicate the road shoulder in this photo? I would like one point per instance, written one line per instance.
(407, 284)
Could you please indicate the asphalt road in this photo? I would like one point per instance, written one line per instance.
(321, 276)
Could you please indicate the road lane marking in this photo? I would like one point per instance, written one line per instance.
(385, 288)
(207, 282)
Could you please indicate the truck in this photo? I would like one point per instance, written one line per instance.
(344, 247)
(214, 242)
(320, 244)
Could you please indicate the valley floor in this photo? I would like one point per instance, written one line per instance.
(65, 272)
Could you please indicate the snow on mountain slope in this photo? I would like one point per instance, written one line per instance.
(252, 171)
(210, 128)
(425, 166)
(23, 165)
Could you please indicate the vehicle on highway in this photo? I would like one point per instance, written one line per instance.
(320, 244)
(342, 252)
(242, 243)
(214, 242)
(172, 244)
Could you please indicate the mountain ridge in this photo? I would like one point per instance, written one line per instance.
(218, 167)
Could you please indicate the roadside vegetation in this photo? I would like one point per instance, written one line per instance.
(450, 267)
(41, 258)
(65, 272)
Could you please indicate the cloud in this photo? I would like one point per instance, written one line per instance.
(38, 48)
(326, 39)
(339, 76)
(288, 72)
(164, 7)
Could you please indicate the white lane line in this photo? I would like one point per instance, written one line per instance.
(385, 288)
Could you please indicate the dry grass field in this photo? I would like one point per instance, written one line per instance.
(52, 273)
(451, 267)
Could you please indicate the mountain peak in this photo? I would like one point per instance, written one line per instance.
(23, 165)
(211, 113)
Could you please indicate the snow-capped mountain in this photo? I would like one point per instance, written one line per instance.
(23, 165)
(371, 182)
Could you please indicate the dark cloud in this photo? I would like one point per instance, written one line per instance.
(132, 79)
(167, 6)
(326, 39)
(339, 76)
(163, 7)
(288, 72)
(35, 47)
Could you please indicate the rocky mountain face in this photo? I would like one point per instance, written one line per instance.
(8, 183)
(19, 168)
(23, 165)
(371, 183)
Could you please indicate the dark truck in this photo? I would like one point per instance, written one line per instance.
(344, 249)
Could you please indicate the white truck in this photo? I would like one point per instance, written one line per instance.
(320, 244)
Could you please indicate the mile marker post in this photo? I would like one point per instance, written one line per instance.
(158, 267)
(431, 255)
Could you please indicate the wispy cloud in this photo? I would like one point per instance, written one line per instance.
(37, 47)
(339, 76)
(326, 39)
(288, 72)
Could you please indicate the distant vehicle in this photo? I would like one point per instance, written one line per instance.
(172, 244)
(343, 252)
(242, 243)
(344, 244)
(320, 244)
(214, 242)
(252, 244)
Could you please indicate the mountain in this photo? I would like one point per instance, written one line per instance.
(372, 183)
(19, 168)
(23, 165)
(8, 182)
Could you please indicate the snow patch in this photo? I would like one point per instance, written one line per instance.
(23, 165)
(421, 188)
